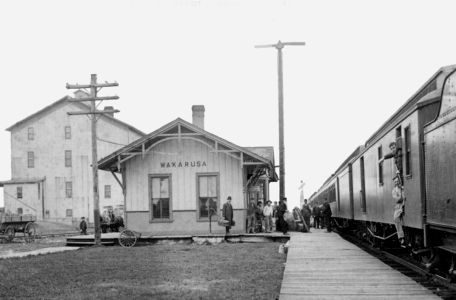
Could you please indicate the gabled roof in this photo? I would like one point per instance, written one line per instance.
(62, 101)
(265, 151)
(182, 129)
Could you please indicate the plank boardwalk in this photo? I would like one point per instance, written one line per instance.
(322, 265)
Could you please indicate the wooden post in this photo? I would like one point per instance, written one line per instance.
(281, 137)
(279, 46)
(96, 195)
(93, 113)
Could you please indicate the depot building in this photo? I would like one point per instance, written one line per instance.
(175, 179)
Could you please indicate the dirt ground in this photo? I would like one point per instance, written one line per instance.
(44, 238)
(179, 271)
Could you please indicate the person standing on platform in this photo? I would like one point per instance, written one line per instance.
(251, 217)
(83, 226)
(259, 216)
(316, 216)
(267, 212)
(327, 213)
(280, 215)
(305, 211)
(227, 213)
(275, 207)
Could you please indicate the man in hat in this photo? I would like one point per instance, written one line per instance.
(227, 214)
(251, 217)
(267, 212)
(83, 226)
(396, 154)
(259, 216)
(281, 215)
(306, 212)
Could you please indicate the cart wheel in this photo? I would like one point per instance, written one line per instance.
(9, 232)
(127, 238)
(30, 232)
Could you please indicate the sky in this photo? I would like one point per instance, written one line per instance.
(362, 60)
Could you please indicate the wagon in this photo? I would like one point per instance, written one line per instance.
(10, 224)
(128, 238)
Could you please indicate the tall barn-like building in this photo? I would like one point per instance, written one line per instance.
(51, 156)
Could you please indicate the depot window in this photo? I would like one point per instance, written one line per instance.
(160, 197)
(207, 191)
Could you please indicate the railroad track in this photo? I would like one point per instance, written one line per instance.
(396, 259)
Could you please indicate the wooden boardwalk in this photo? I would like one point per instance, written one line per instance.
(322, 265)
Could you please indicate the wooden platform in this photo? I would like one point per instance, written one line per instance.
(322, 265)
(111, 238)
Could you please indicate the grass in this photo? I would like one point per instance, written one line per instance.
(180, 271)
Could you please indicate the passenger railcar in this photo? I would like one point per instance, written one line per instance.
(360, 191)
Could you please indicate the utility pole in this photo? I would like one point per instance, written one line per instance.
(94, 89)
(279, 46)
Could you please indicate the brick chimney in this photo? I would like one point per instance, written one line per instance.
(198, 115)
(109, 108)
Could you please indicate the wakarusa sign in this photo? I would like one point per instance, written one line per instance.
(183, 164)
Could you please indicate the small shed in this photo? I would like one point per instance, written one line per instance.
(176, 179)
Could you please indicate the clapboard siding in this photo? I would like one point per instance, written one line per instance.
(183, 178)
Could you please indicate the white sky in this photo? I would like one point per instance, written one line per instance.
(362, 61)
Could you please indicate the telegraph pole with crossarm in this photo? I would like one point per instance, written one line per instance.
(94, 88)
(279, 46)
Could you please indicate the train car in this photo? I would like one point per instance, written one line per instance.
(440, 170)
(424, 128)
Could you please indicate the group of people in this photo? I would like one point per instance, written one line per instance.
(321, 215)
(108, 222)
(263, 218)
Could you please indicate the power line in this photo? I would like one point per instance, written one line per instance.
(94, 88)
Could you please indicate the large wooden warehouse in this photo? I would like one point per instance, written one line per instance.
(174, 178)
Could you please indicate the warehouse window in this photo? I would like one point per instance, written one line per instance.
(408, 151)
(160, 196)
(68, 189)
(19, 192)
(30, 159)
(20, 211)
(207, 191)
(67, 132)
(107, 191)
(69, 212)
(67, 158)
(31, 134)
(380, 165)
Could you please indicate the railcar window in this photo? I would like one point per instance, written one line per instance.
(380, 165)
(408, 151)
(363, 186)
